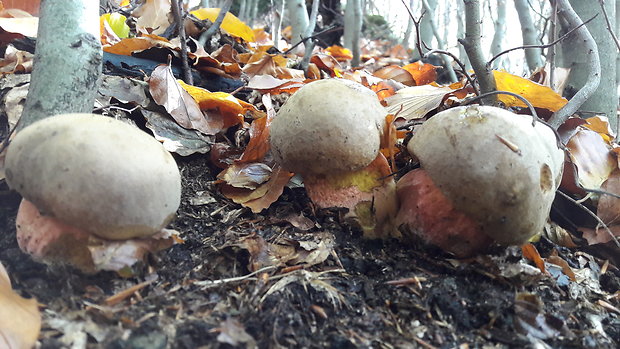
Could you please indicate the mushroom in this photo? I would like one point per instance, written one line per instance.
(328, 126)
(327, 132)
(96, 174)
(494, 167)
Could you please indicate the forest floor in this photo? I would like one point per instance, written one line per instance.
(335, 290)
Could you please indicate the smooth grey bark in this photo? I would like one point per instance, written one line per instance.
(276, 24)
(252, 13)
(204, 3)
(605, 98)
(243, 6)
(353, 29)
(314, 13)
(500, 33)
(299, 19)
(585, 44)
(460, 33)
(409, 29)
(67, 61)
(440, 44)
(617, 34)
(533, 56)
(471, 42)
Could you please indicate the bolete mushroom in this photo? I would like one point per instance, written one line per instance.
(494, 167)
(328, 126)
(96, 174)
(328, 132)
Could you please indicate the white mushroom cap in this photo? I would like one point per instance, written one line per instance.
(327, 126)
(494, 166)
(95, 173)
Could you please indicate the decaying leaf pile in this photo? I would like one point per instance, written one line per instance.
(269, 257)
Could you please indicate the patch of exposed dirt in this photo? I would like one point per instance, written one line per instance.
(379, 294)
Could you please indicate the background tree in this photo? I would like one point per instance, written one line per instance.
(605, 98)
(67, 60)
(353, 28)
(298, 16)
(500, 32)
(530, 34)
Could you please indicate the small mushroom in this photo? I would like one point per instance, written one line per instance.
(494, 166)
(328, 126)
(95, 174)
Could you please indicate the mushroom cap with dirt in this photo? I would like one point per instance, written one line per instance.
(328, 126)
(496, 167)
(95, 173)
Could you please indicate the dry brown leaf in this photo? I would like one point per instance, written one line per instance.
(258, 146)
(395, 73)
(167, 92)
(416, 101)
(246, 175)
(153, 16)
(20, 320)
(592, 157)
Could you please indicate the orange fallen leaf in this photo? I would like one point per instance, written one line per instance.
(531, 253)
(422, 73)
(339, 52)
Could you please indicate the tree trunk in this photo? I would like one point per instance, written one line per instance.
(605, 98)
(67, 62)
(528, 31)
(460, 33)
(243, 6)
(276, 24)
(204, 4)
(471, 42)
(410, 24)
(299, 19)
(500, 33)
(253, 13)
(353, 29)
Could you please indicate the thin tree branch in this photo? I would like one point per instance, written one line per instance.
(216, 25)
(592, 214)
(541, 46)
(471, 43)
(551, 53)
(440, 42)
(583, 36)
(314, 36)
(609, 27)
(178, 19)
(461, 65)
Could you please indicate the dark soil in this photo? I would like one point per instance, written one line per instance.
(367, 294)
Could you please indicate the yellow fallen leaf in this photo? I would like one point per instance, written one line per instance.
(540, 96)
(231, 24)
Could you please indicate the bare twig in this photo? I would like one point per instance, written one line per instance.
(416, 23)
(583, 36)
(178, 19)
(609, 26)
(471, 43)
(314, 36)
(551, 52)
(461, 65)
(440, 42)
(592, 214)
(204, 37)
(314, 13)
(541, 46)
